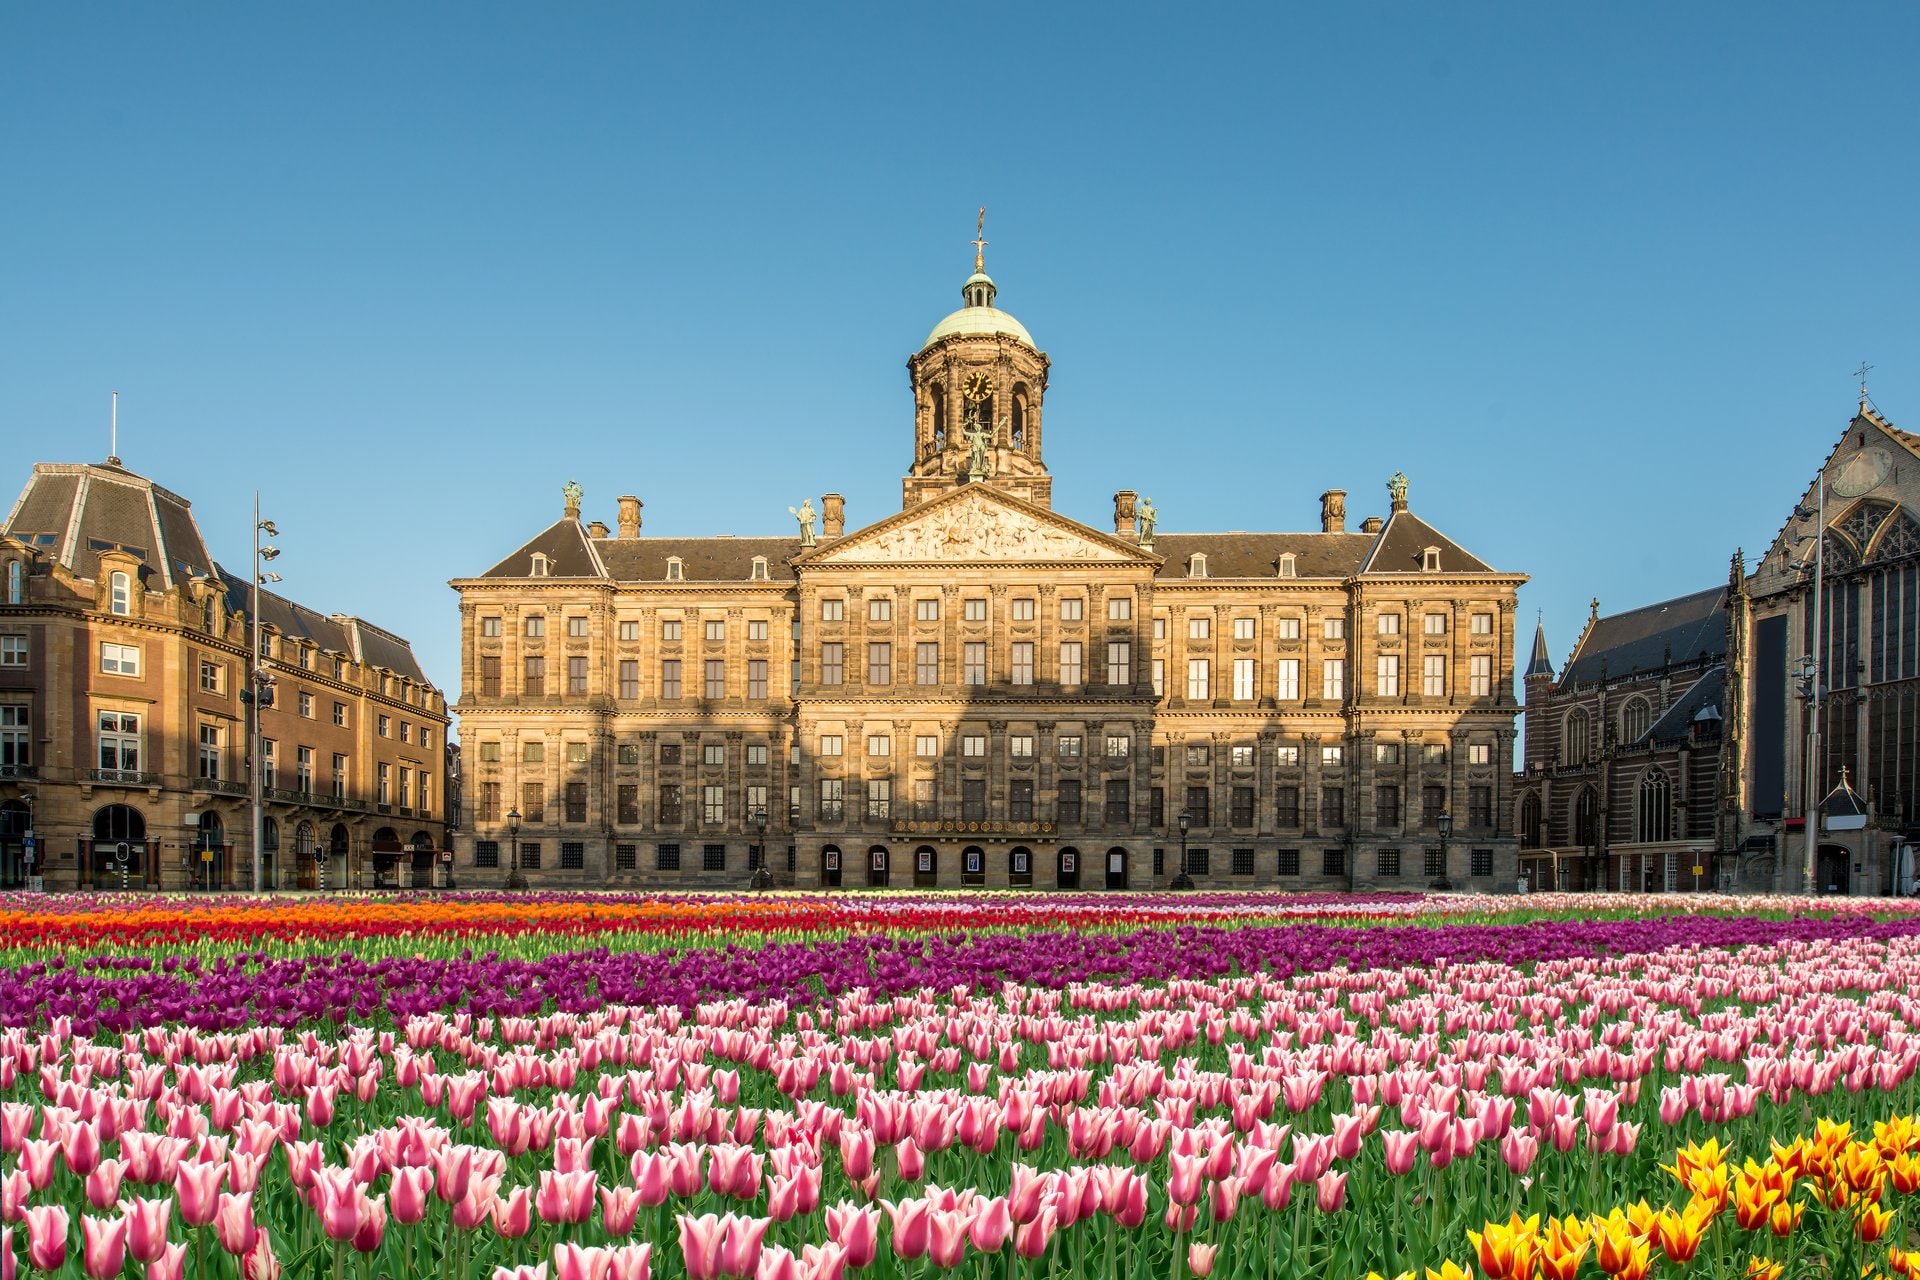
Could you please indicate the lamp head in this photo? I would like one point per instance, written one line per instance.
(1186, 820)
(269, 553)
(267, 527)
(1445, 823)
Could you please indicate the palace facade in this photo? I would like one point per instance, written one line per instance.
(979, 690)
(125, 653)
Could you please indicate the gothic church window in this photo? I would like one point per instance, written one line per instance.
(1579, 732)
(1656, 807)
(1635, 720)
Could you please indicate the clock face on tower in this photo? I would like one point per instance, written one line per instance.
(977, 387)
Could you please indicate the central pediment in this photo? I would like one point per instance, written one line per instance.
(976, 524)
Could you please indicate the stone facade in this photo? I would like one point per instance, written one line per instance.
(978, 690)
(124, 653)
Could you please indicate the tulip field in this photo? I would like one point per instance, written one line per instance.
(988, 1086)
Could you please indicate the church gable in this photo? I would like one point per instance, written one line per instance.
(976, 524)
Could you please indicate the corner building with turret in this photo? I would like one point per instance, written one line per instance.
(980, 691)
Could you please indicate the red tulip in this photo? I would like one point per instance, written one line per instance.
(47, 1236)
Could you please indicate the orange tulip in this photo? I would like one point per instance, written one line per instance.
(1861, 1167)
(1904, 1169)
(1896, 1136)
(1614, 1244)
(1560, 1257)
(1753, 1199)
(1899, 1261)
(1872, 1222)
(1447, 1271)
(1759, 1268)
(1507, 1251)
(1785, 1217)
(1694, 1157)
(1714, 1186)
(1680, 1234)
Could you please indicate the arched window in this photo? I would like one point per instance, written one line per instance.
(1530, 822)
(120, 593)
(208, 618)
(119, 822)
(1585, 819)
(939, 394)
(16, 583)
(1020, 417)
(1656, 807)
(303, 842)
(1579, 736)
(269, 835)
(1635, 720)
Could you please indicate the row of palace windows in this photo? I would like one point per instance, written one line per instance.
(974, 746)
(974, 609)
(674, 803)
(975, 670)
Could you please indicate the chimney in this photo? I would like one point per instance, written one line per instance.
(1370, 525)
(833, 515)
(630, 516)
(1123, 513)
(1333, 511)
(596, 529)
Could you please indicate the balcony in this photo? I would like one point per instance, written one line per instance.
(19, 771)
(315, 799)
(223, 786)
(988, 828)
(123, 777)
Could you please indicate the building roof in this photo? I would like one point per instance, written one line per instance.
(1678, 631)
(701, 559)
(1257, 555)
(565, 544)
(356, 639)
(71, 512)
(979, 317)
(1541, 664)
(1701, 701)
(1402, 547)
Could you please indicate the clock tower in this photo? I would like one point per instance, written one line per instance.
(978, 382)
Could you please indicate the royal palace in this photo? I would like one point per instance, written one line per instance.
(978, 690)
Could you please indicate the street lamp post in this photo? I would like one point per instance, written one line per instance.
(762, 874)
(514, 879)
(1183, 880)
(259, 684)
(1445, 823)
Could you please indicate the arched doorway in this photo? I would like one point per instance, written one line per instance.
(1116, 868)
(120, 838)
(926, 867)
(386, 858)
(423, 855)
(16, 819)
(1835, 870)
(1069, 869)
(830, 866)
(877, 868)
(1020, 867)
(211, 862)
(973, 865)
(305, 844)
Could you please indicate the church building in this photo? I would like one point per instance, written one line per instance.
(979, 690)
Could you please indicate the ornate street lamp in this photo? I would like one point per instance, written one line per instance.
(1183, 880)
(762, 874)
(514, 879)
(1445, 823)
(259, 692)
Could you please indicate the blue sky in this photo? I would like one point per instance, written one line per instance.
(1594, 278)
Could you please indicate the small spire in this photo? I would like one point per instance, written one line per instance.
(113, 433)
(1593, 606)
(980, 243)
(1541, 664)
(1860, 373)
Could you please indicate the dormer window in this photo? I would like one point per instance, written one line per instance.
(539, 567)
(16, 582)
(759, 571)
(675, 570)
(120, 594)
(1287, 566)
(1430, 560)
(1197, 565)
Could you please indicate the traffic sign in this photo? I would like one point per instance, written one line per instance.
(446, 855)
(122, 851)
(320, 857)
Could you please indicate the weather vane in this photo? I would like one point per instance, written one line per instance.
(980, 242)
(1860, 373)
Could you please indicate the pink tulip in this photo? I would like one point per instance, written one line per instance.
(513, 1213)
(47, 1236)
(991, 1225)
(337, 1200)
(630, 1262)
(105, 1247)
(16, 1189)
(1030, 1239)
(857, 1231)
(233, 1223)
(82, 1148)
(1224, 1199)
(856, 1153)
(476, 1206)
(521, 1273)
(947, 1236)
(36, 1158)
(565, 1197)
(259, 1262)
(777, 1264)
(1186, 1173)
(1331, 1191)
(1181, 1217)
(823, 1262)
(171, 1264)
(452, 1169)
(741, 1247)
(147, 1226)
(783, 1198)
(912, 1162)
(9, 1265)
(619, 1206)
(1403, 1148)
(908, 1219)
(700, 1241)
(1200, 1258)
(580, 1262)
(103, 1184)
(408, 1191)
(197, 1187)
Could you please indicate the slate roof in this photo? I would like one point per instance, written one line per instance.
(1257, 555)
(339, 633)
(70, 512)
(1705, 693)
(1682, 630)
(568, 549)
(701, 559)
(1402, 546)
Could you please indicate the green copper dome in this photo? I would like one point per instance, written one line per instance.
(979, 318)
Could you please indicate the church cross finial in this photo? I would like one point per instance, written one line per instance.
(980, 242)
(1860, 373)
